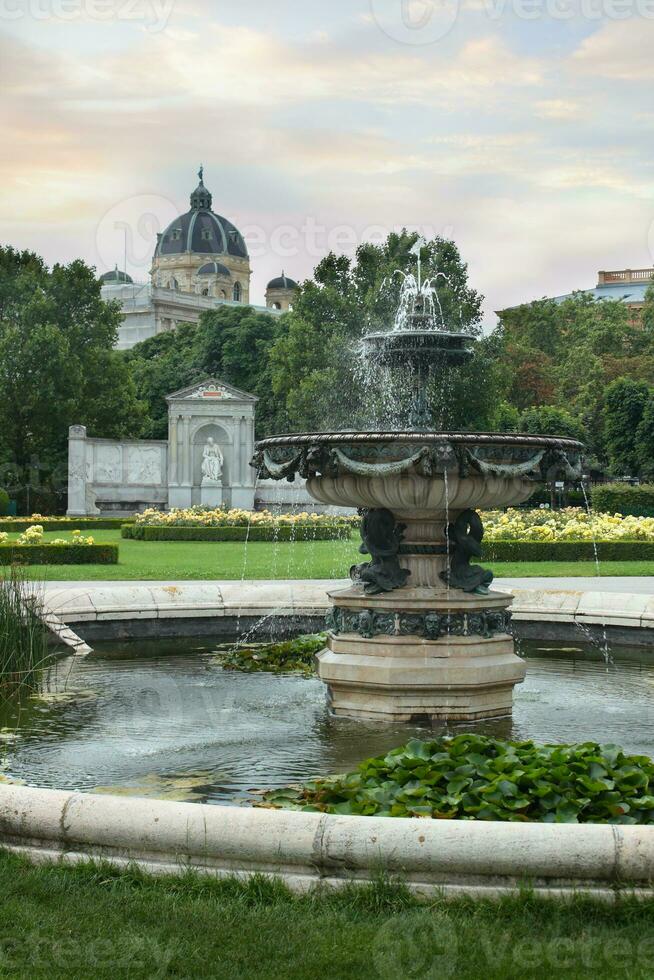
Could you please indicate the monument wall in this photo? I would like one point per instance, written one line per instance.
(204, 462)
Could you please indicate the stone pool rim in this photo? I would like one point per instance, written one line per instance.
(449, 857)
(140, 610)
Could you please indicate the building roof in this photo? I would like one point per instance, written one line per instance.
(627, 285)
(211, 389)
(201, 231)
(215, 269)
(115, 276)
(628, 292)
(283, 282)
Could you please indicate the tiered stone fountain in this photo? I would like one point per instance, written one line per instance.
(419, 636)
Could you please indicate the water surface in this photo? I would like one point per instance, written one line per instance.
(160, 718)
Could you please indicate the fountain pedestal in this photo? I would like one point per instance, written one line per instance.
(420, 655)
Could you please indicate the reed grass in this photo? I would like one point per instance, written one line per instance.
(23, 633)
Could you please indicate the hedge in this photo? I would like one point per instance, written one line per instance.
(57, 524)
(255, 532)
(568, 551)
(58, 554)
(621, 498)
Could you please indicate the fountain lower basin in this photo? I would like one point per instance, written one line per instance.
(419, 636)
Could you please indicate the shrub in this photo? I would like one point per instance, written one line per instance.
(4, 502)
(621, 498)
(517, 551)
(472, 777)
(254, 532)
(58, 554)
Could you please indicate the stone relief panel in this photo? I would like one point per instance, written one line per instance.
(108, 464)
(211, 391)
(144, 465)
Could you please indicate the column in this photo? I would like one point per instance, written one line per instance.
(76, 471)
(172, 448)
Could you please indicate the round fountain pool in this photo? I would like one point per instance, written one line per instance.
(161, 719)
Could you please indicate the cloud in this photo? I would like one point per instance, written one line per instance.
(471, 137)
(620, 50)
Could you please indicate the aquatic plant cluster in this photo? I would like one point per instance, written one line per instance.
(296, 656)
(569, 524)
(218, 517)
(473, 777)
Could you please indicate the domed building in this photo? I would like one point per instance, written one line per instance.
(115, 278)
(280, 293)
(193, 243)
(200, 263)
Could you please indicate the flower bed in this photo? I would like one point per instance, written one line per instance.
(13, 524)
(202, 524)
(472, 777)
(31, 549)
(570, 524)
(204, 517)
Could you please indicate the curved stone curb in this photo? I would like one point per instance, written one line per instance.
(309, 598)
(305, 849)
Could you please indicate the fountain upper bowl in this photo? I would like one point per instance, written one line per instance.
(419, 471)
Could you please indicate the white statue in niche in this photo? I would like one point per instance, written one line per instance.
(212, 462)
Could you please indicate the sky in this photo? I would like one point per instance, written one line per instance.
(522, 129)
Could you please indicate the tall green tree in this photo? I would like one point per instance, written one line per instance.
(645, 439)
(648, 310)
(317, 371)
(623, 414)
(231, 343)
(57, 363)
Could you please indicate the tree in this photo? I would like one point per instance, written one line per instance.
(548, 420)
(57, 363)
(624, 410)
(648, 310)
(645, 439)
(317, 372)
(567, 353)
(505, 418)
(231, 343)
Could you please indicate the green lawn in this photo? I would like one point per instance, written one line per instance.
(93, 921)
(166, 560)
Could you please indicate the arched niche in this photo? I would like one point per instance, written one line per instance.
(223, 438)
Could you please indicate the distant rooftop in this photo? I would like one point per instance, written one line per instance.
(628, 285)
